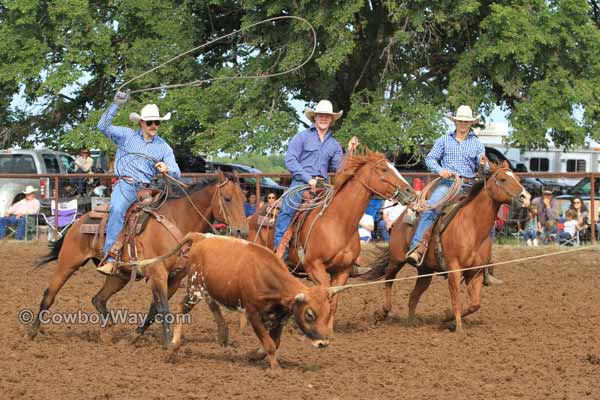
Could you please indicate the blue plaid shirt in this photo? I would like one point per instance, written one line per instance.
(131, 144)
(307, 156)
(460, 157)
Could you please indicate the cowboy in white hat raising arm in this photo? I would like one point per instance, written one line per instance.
(16, 213)
(311, 154)
(456, 154)
(141, 154)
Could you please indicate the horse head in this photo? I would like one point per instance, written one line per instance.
(228, 205)
(505, 187)
(380, 176)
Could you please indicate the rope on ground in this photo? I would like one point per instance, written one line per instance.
(518, 260)
(202, 81)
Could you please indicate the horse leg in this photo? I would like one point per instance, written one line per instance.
(454, 287)
(61, 275)
(222, 329)
(391, 271)
(415, 295)
(158, 277)
(112, 285)
(474, 290)
(338, 280)
(173, 284)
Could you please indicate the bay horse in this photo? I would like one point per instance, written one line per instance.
(329, 236)
(465, 242)
(220, 199)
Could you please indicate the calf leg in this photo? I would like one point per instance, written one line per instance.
(184, 307)
(264, 337)
(223, 331)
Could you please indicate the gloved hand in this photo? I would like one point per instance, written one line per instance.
(121, 98)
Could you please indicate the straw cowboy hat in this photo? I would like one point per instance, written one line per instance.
(30, 189)
(149, 113)
(464, 113)
(323, 107)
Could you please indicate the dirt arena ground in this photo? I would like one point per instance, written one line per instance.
(535, 337)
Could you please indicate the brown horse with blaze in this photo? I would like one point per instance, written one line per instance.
(464, 243)
(329, 236)
(244, 276)
(219, 199)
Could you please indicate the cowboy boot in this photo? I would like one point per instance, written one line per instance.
(415, 255)
(108, 268)
(489, 279)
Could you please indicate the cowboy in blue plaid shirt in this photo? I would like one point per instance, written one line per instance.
(456, 154)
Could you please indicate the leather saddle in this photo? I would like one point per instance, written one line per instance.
(136, 219)
(308, 198)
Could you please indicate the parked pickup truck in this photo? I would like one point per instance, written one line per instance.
(30, 162)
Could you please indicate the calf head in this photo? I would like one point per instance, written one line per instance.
(312, 312)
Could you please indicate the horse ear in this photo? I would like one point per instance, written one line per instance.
(221, 176)
(505, 164)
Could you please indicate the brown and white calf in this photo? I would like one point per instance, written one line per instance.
(242, 275)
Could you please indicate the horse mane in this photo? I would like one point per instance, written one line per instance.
(202, 183)
(352, 164)
(475, 190)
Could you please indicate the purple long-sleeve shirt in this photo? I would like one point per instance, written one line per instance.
(307, 156)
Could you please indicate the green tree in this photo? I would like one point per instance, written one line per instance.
(393, 67)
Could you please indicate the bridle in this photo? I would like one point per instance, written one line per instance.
(222, 210)
(512, 196)
(396, 196)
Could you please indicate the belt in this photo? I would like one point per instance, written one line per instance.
(468, 180)
(132, 181)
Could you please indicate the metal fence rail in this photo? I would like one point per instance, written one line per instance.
(427, 177)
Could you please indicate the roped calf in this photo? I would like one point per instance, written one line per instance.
(242, 275)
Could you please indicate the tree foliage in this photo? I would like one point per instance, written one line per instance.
(393, 67)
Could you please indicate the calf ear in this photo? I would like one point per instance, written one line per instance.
(300, 297)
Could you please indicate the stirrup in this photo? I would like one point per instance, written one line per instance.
(418, 260)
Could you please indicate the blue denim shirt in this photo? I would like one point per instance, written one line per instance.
(460, 157)
(307, 156)
(131, 144)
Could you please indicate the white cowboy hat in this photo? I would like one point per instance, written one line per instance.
(149, 113)
(30, 189)
(323, 107)
(464, 113)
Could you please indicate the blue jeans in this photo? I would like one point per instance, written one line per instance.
(530, 234)
(123, 196)
(287, 211)
(429, 216)
(13, 220)
(383, 232)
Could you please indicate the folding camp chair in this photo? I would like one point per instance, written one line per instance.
(67, 214)
(574, 241)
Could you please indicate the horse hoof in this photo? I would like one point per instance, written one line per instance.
(32, 333)
(173, 356)
(380, 316)
(257, 355)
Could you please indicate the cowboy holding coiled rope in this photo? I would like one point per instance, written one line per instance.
(457, 154)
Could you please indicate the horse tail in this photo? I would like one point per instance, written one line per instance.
(55, 248)
(381, 259)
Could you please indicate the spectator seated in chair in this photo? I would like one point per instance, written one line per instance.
(16, 214)
(579, 207)
(366, 225)
(570, 229)
(250, 205)
(532, 228)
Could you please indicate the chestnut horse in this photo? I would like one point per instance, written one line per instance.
(329, 237)
(219, 199)
(464, 243)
